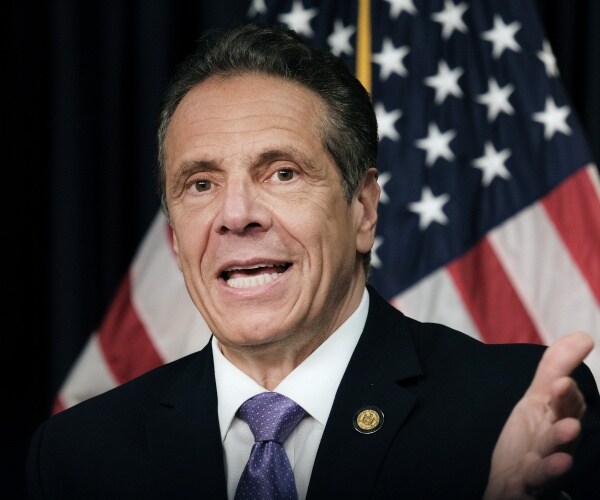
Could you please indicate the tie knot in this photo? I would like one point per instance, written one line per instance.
(271, 416)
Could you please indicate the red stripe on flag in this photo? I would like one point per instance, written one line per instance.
(121, 334)
(574, 208)
(58, 405)
(490, 297)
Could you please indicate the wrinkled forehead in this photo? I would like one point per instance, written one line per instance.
(245, 105)
(242, 114)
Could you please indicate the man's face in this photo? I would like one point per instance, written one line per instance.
(266, 241)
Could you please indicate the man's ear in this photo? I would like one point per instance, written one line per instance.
(367, 200)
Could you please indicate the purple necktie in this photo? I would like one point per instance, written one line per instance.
(268, 474)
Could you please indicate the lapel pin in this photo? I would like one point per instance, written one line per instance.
(368, 420)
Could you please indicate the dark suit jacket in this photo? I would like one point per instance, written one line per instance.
(444, 397)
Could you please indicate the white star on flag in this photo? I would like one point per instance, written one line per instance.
(375, 260)
(257, 7)
(399, 6)
(496, 99)
(547, 57)
(390, 59)
(299, 18)
(386, 122)
(451, 18)
(553, 118)
(492, 163)
(339, 40)
(437, 144)
(429, 208)
(382, 179)
(445, 82)
(502, 36)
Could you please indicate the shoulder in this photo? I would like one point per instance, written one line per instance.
(435, 336)
(448, 353)
(133, 399)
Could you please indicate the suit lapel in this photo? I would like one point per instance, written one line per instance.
(347, 462)
(185, 440)
(184, 435)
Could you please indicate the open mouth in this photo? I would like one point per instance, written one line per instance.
(248, 277)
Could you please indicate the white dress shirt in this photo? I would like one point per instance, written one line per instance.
(312, 385)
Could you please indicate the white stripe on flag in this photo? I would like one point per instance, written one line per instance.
(88, 376)
(592, 171)
(550, 285)
(436, 299)
(160, 298)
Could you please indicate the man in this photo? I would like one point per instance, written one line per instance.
(267, 154)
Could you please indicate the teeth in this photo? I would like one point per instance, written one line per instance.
(250, 281)
(257, 266)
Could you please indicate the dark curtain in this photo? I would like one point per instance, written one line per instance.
(82, 85)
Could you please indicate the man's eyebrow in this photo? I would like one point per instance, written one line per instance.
(186, 169)
(291, 154)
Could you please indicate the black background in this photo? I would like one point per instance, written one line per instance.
(82, 83)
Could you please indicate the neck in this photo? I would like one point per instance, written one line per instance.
(270, 362)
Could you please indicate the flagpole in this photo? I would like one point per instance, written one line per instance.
(363, 44)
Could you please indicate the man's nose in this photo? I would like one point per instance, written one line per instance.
(242, 208)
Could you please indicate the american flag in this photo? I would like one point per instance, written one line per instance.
(490, 207)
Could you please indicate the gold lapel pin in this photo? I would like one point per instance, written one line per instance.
(368, 420)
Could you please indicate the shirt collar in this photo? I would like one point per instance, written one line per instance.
(312, 384)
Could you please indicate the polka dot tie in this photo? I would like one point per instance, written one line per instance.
(268, 473)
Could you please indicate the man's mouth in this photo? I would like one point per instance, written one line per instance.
(251, 276)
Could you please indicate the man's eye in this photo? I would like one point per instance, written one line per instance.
(202, 185)
(284, 174)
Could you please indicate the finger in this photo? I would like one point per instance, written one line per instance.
(560, 359)
(562, 436)
(566, 399)
(542, 475)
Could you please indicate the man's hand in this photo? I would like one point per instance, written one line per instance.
(534, 449)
